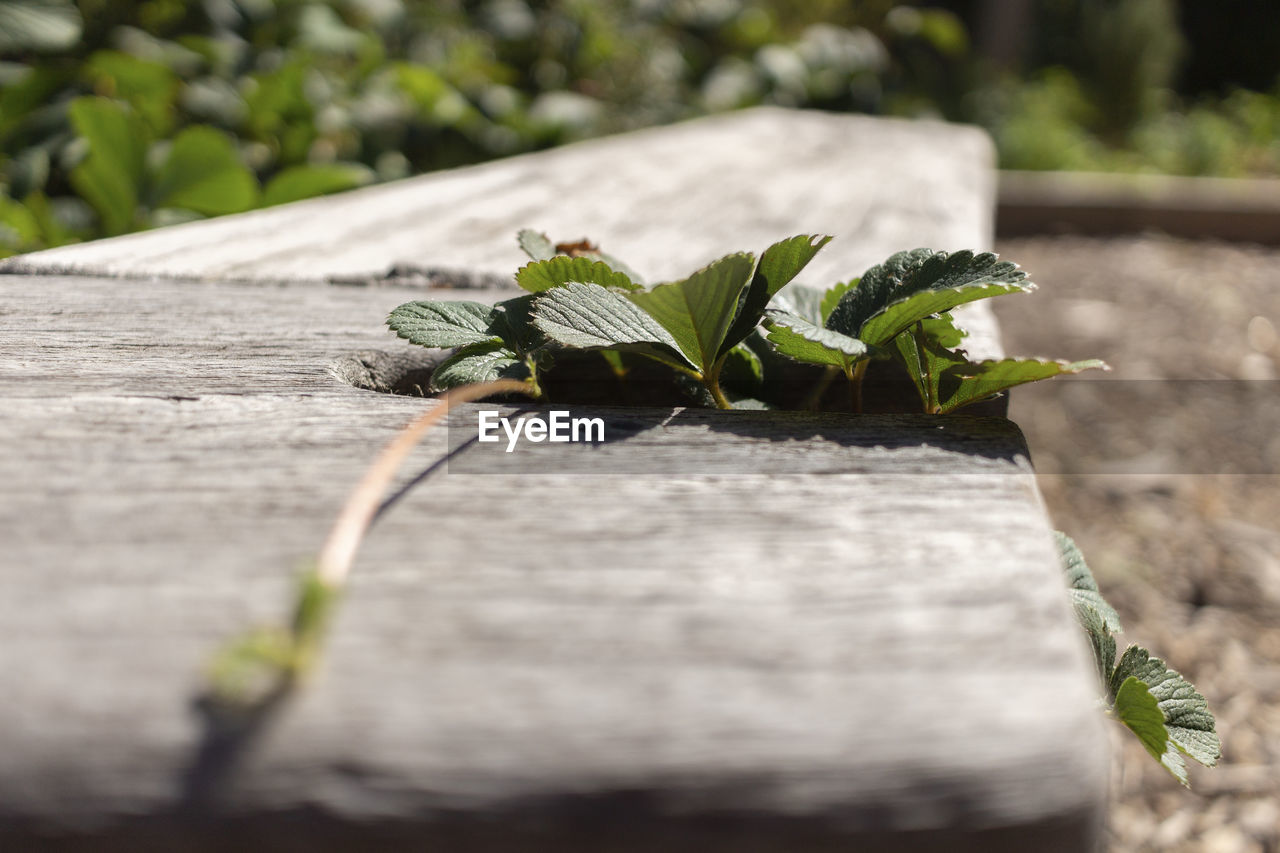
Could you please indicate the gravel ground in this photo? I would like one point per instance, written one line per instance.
(1171, 487)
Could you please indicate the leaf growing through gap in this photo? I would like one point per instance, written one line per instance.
(494, 341)
(484, 362)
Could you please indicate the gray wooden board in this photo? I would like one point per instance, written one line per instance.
(789, 630)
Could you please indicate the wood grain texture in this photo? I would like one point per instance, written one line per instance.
(741, 631)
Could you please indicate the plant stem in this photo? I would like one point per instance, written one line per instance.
(930, 395)
(334, 562)
(286, 654)
(535, 389)
(711, 380)
(855, 386)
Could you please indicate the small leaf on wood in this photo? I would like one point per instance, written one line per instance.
(444, 324)
(483, 362)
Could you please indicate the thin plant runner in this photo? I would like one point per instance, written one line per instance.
(717, 329)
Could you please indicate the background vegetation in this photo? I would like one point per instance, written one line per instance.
(117, 116)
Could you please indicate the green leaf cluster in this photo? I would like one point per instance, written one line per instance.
(900, 309)
(1162, 709)
(706, 326)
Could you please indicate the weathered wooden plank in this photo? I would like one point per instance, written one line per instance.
(760, 632)
(760, 623)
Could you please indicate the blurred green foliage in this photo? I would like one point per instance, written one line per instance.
(117, 116)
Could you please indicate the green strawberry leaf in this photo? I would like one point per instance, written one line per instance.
(1185, 712)
(1080, 582)
(541, 276)
(975, 382)
(801, 300)
(536, 244)
(779, 264)
(483, 362)
(832, 298)
(798, 338)
(697, 311)
(444, 324)
(898, 316)
(885, 292)
(588, 316)
(513, 320)
(742, 369)
(1139, 710)
(1100, 640)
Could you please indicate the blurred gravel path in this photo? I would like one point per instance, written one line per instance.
(1191, 560)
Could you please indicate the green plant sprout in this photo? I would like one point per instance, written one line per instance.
(706, 328)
